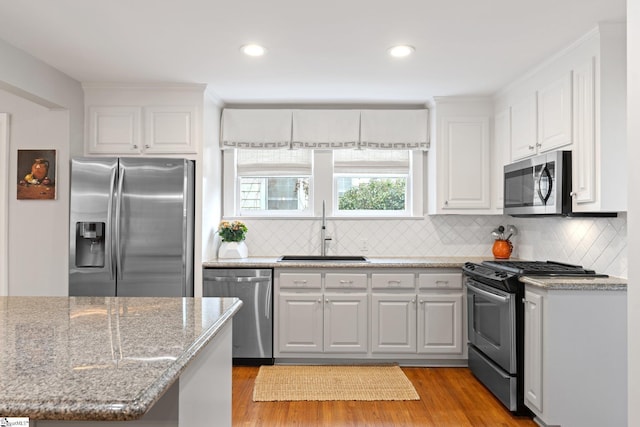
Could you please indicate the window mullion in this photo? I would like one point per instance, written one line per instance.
(322, 183)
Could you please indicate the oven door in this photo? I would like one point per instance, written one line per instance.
(492, 323)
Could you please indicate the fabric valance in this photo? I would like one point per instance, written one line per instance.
(325, 129)
(255, 129)
(394, 129)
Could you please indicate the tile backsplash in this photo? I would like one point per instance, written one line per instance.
(597, 243)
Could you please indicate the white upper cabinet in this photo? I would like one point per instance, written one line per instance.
(137, 120)
(170, 129)
(554, 113)
(114, 130)
(576, 101)
(541, 117)
(599, 158)
(501, 154)
(524, 127)
(461, 157)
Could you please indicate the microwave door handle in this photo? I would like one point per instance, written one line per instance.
(545, 197)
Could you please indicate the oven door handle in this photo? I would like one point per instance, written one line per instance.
(488, 295)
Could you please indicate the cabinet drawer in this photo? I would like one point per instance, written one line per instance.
(300, 280)
(346, 281)
(393, 281)
(440, 281)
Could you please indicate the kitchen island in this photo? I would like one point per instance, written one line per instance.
(141, 361)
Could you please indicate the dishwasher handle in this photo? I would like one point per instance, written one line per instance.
(267, 301)
(238, 279)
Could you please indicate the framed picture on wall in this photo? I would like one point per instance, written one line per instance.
(36, 175)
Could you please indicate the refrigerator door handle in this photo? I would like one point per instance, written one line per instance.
(117, 233)
(112, 184)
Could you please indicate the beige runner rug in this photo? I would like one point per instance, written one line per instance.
(280, 383)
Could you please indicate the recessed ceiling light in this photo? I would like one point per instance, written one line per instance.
(401, 50)
(253, 50)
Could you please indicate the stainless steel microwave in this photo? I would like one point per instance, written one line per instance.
(540, 185)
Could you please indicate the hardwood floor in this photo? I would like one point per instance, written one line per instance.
(449, 397)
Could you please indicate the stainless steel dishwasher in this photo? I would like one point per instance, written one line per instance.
(253, 324)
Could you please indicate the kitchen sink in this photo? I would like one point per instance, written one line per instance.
(327, 258)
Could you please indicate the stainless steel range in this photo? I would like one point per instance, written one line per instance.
(496, 322)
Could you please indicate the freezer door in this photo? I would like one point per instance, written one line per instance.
(153, 216)
(91, 273)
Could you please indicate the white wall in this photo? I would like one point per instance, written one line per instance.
(211, 178)
(46, 111)
(633, 132)
(598, 243)
(37, 228)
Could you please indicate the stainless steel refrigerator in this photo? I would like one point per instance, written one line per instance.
(131, 227)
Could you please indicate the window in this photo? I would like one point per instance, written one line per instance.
(273, 180)
(289, 183)
(371, 181)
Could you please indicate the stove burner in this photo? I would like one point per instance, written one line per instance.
(540, 268)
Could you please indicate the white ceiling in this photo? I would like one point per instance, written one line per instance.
(324, 51)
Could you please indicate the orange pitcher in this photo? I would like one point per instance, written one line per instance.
(40, 169)
(502, 249)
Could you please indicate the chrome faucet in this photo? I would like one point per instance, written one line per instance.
(323, 233)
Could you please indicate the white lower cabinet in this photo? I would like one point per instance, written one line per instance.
(440, 323)
(533, 350)
(575, 356)
(345, 323)
(300, 322)
(311, 320)
(370, 314)
(393, 323)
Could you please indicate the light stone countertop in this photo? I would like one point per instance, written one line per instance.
(99, 358)
(374, 262)
(577, 283)
(554, 283)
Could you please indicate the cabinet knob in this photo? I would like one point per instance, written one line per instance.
(413, 300)
(531, 147)
(135, 146)
(446, 202)
(538, 145)
(319, 301)
(573, 194)
(147, 146)
(327, 301)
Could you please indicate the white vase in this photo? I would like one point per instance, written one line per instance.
(233, 250)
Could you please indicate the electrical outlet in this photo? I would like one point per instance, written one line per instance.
(364, 245)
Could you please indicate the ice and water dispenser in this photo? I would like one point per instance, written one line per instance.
(90, 244)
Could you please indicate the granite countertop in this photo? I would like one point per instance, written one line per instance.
(374, 262)
(99, 358)
(577, 283)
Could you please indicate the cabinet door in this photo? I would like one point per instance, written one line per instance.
(440, 323)
(533, 386)
(345, 323)
(554, 114)
(583, 158)
(300, 323)
(501, 153)
(523, 127)
(114, 130)
(465, 173)
(170, 129)
(393, 328)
